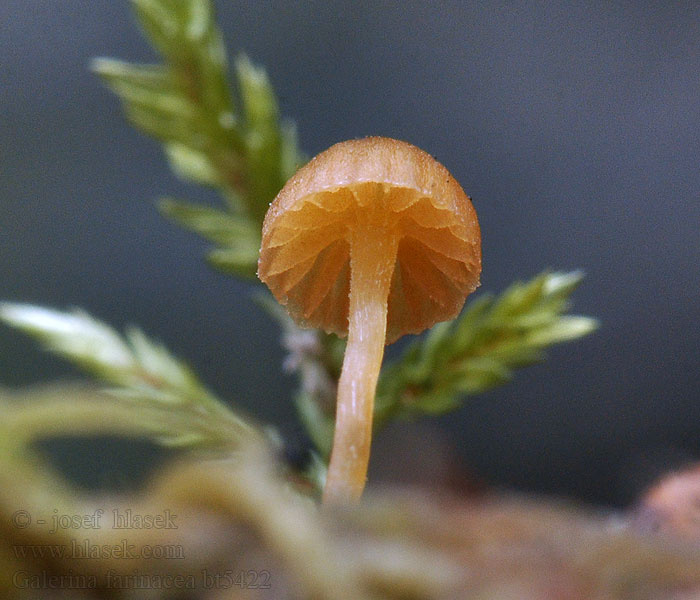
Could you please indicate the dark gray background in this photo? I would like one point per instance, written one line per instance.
(573, 125)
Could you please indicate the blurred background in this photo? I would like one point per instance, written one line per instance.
(575, 127)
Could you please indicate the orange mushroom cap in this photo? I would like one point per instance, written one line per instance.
(305, 251)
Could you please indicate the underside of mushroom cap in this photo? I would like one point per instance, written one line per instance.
(371, 182)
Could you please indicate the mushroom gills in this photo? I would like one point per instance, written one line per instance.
(309, 256)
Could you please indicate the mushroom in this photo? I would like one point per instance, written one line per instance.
(373, 239)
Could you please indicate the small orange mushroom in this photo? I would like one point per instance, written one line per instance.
(372, 239)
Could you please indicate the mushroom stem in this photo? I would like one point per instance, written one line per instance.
(372, 257)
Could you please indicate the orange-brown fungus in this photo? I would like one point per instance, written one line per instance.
(373, 239)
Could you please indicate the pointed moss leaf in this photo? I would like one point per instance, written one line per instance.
(563, 283)
(31, 415)
(187, 104)
(318, 425)
(159, 21)
(75, 335)
(198, 20)
(237, 238)
(465, 330)
(532, 320)
(266, 174)
(138, 389)
(164, 103)
(433, 341)
(134, 81)
(565, 328)
(316, 471)
(143, 371)
(481, 374)
(213, 224)
(164, 127)
(291, 159)
(259, 102)
(159, 365)
(434, 404)
(183, 440)
(242, 262)
(518, 352)
(191, 164)
(480, 349)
